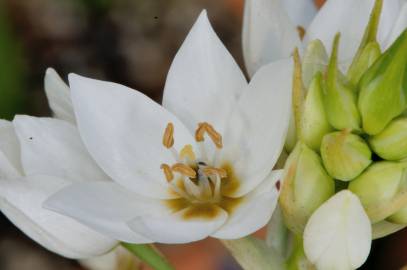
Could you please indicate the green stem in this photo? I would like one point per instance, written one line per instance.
(148, 254)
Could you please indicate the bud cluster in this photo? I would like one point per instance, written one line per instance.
(351, 132)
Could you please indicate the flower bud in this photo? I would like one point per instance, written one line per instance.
(382, 189)
(345, 155)
(314, 124)
(391, 143)
(400, 217)
(382, 95)
(315, 60)
(339, 97)
(367, 57)
(305, 187)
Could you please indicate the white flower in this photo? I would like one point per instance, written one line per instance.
(39, 156)
(197, 167)
(338, 235)
(271, 30)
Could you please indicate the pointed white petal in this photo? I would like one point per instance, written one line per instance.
(350, 18)
(204, 80)
(243, 220)
(258, 126)
(122, 129)
(58, 95)
(10, 164)
(301, 12)
(338, 235)
(21, 201)
(176, 227)
(104, 207)
(399, 26)
(54, 147)
(268, 33)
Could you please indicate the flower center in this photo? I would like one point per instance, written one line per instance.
(202, 186)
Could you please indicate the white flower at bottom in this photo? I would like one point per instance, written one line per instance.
(118, 259)
(199, 166)
(338, 235)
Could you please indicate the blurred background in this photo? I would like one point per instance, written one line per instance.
(131, 42)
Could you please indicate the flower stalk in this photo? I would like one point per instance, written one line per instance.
(148, 254)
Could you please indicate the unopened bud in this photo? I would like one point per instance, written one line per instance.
(314, 124)
(339, 97)
(383, 88)
(345, 155)
(382, 189)
(391, 143)
(315, 60)
(306, 186)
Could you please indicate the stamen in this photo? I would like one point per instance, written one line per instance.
(212, 133)
(215, 171)
(187, 152)
(184, 170)
(167, 172)
(168, 138)
(301, 31)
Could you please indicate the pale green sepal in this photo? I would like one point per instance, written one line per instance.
(385, 228)
(306, 185)
(339, 97)
(369, 55)
(252, 253)
(315, 60)
(391, 143)
(345, 155)
(314, 124)
(382, 189)
(382, 89)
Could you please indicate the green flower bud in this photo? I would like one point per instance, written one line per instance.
(383, 88)
(339, 97)
(315, 60)
(382, 189)
(369, 49)
(391, 143)
(314, 124)
(345, 155)
(400, 217)
(305, 187)
(368, 56)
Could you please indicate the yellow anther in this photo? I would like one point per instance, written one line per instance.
(168, 138)
(187, 152)
(212, 133)
(184, 170)
(215, 171)
(167, 172)
(301, 31)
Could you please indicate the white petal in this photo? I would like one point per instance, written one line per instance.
(204, 80)
(338, 235)
(399, 26)
(268, 33)
(390, 14)
(175, 228)
(301, 12)
(244, 220)
(104, 207)
(10, 164)
(122, 129)
(58, 95)
(54, 147)
(21, 201)
(350, 18)
(258, 126)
